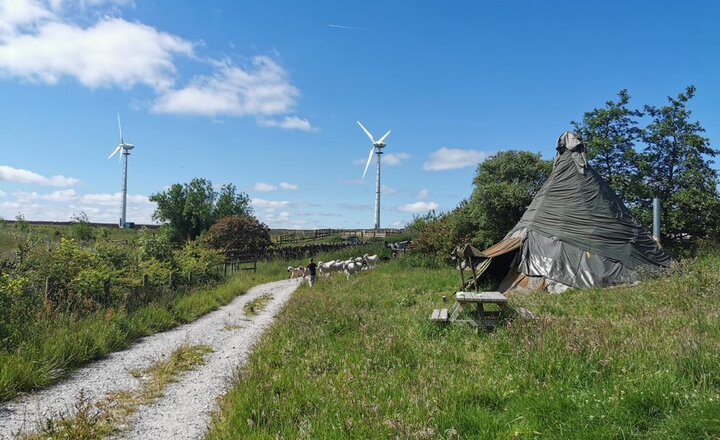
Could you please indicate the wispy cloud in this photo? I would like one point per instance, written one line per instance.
(269, 187)
(264, 187)
(289, 186)
(341, 26)
(453, 159)
(18, 175)
(418, 207)
(288, 123)
(273, 204)
(388, 190)
(422, 194)
(393, 159)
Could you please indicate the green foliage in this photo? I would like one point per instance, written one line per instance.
(503, 187)
(80, 228)
(679, 172)
(610, 134)
(191, 208)
(231, 202)
(437, 235)
(240, 232)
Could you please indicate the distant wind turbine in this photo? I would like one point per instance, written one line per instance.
(124, 150)
(377, 149)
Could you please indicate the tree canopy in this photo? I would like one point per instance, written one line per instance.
(193, 207)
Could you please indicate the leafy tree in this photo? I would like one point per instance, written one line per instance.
(678, 170)
(504, 186)
(241, 232)
(610, 134)
(232, 202)
(193, 207)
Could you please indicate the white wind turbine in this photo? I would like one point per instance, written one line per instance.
(377, 149)
(124, 150)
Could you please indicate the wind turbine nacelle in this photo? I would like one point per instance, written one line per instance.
(128, 147)
(379, 145)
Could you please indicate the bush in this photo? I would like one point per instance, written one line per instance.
(238, 232)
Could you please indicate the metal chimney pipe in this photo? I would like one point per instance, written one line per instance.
(656, 219)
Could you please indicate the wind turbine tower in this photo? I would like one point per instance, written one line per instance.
(124, 150)
(377, 149)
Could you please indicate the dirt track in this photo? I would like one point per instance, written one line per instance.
(184, 411)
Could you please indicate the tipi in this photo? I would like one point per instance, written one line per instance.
(575, 233)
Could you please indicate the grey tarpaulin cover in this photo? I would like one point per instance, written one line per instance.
(578, 232)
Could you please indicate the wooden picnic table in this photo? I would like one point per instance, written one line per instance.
(481, 317)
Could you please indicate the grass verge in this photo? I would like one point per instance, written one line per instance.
(57, 345)
(360, 359)
(256, 306)
(98, 420)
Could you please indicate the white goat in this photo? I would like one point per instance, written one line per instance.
(326, 268)
(297, 272)
(371, 260)
(351, 267)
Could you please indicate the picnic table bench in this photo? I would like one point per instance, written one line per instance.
(481, 317)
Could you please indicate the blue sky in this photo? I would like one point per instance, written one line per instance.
(265, 94)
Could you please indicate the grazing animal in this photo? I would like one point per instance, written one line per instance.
(297, 272)
(351, 267)
(371, 260)
(326, 269)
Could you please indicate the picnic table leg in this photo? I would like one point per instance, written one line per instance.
(480, 315)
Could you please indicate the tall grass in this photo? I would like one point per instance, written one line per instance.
(51, 347)
(360, 359)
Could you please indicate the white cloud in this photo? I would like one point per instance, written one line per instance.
(262, 203)
(66, 195)
(418, 207)
(2, 194)
(269, 187)
(288, 123)
(393, 159)
(112, 52)
(264, 187)
(263, 88)
(422, 194)
(115, 199)
(282, 220)
(17, 175)
(40, 41)
(289, 186)
(16, 13)
(387, 190)
(62, 205)
(453, 158)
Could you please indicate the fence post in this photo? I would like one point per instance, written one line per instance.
(171, 281)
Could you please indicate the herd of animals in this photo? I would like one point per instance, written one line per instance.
(348, 267)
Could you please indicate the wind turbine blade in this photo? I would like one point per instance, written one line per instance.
(372, 150)
(366, 132)
(120, 128)
(115, 152)
(384, 137)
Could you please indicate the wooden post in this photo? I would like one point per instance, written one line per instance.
(171, 281)
(472, 265)
(145, 281)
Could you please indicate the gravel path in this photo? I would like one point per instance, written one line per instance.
(184, 411)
